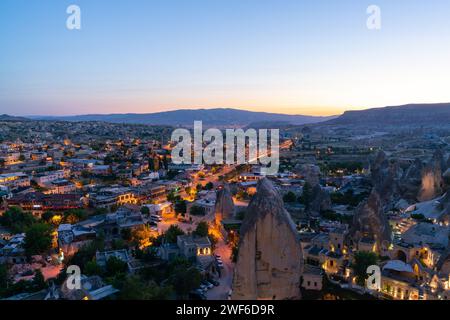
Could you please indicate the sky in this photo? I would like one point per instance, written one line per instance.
(314, 57)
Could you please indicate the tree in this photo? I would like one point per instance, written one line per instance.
(38, 239)
(92, 269)
(202, 229)
(362, 260)
(140, 236)
(172, 233)
(85, 254)
(38, 281)
(145, 210)
(180, 207)
(173, 196)
(185, 280)
(47, 216)
(209, 186)
(241, 215)
(17, 220)
(3, 279)
(75, 215)
(197, 211)
(289, 197)
(126, 234)
(115, 266)
(306, 196)
(134, 288)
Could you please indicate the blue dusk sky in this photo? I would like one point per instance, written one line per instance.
(290, 56)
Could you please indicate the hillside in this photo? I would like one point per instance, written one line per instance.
(210, 117)
(412, 114)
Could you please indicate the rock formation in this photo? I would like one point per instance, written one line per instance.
(432, 181)
(411, 181)
(224, 208)
(320, 202)
(384, 177)
(311, 174)
(444, 205)
(269, 261)
(443, 264)
(370, 222)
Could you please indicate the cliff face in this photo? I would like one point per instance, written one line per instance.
(269, 261)
(407, 115)
(224, 208)
(320, 202)
(370, 221)
(432, 182)
(385, 177)
(411, 181)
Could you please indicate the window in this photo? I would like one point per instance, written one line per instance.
(309, 283)
(315, 284)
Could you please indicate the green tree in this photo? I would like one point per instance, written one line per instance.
(92, 269)
(180, 207)
(75, 215)
(209, 186)
(202, 229)
(38, 239)
(362, 260)
(17, 220)
(115, 266)
(47, 216)
(134, 288)
(185, 280)
(289, 197)
(241, 215)
(306, 196)
(38, 281)
(172, 233)
(145, 210)
(3, 279)
(85, 254)
(141, 236)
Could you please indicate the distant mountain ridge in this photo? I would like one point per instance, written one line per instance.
(6, 117)
(209, 117)
(410, 114)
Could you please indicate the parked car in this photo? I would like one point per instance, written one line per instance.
(155, 218)
(203, 287)
(214, 282)
(208, 284)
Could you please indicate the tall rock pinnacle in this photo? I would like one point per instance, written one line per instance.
(269, 261)
(224, 208)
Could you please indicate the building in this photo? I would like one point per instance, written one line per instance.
(72, 237)
(43, 179)
(12, 251)
(112, 197)
(312, 278)
(192, 247)
(37, 202)
(15, 180)
(61, 186)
